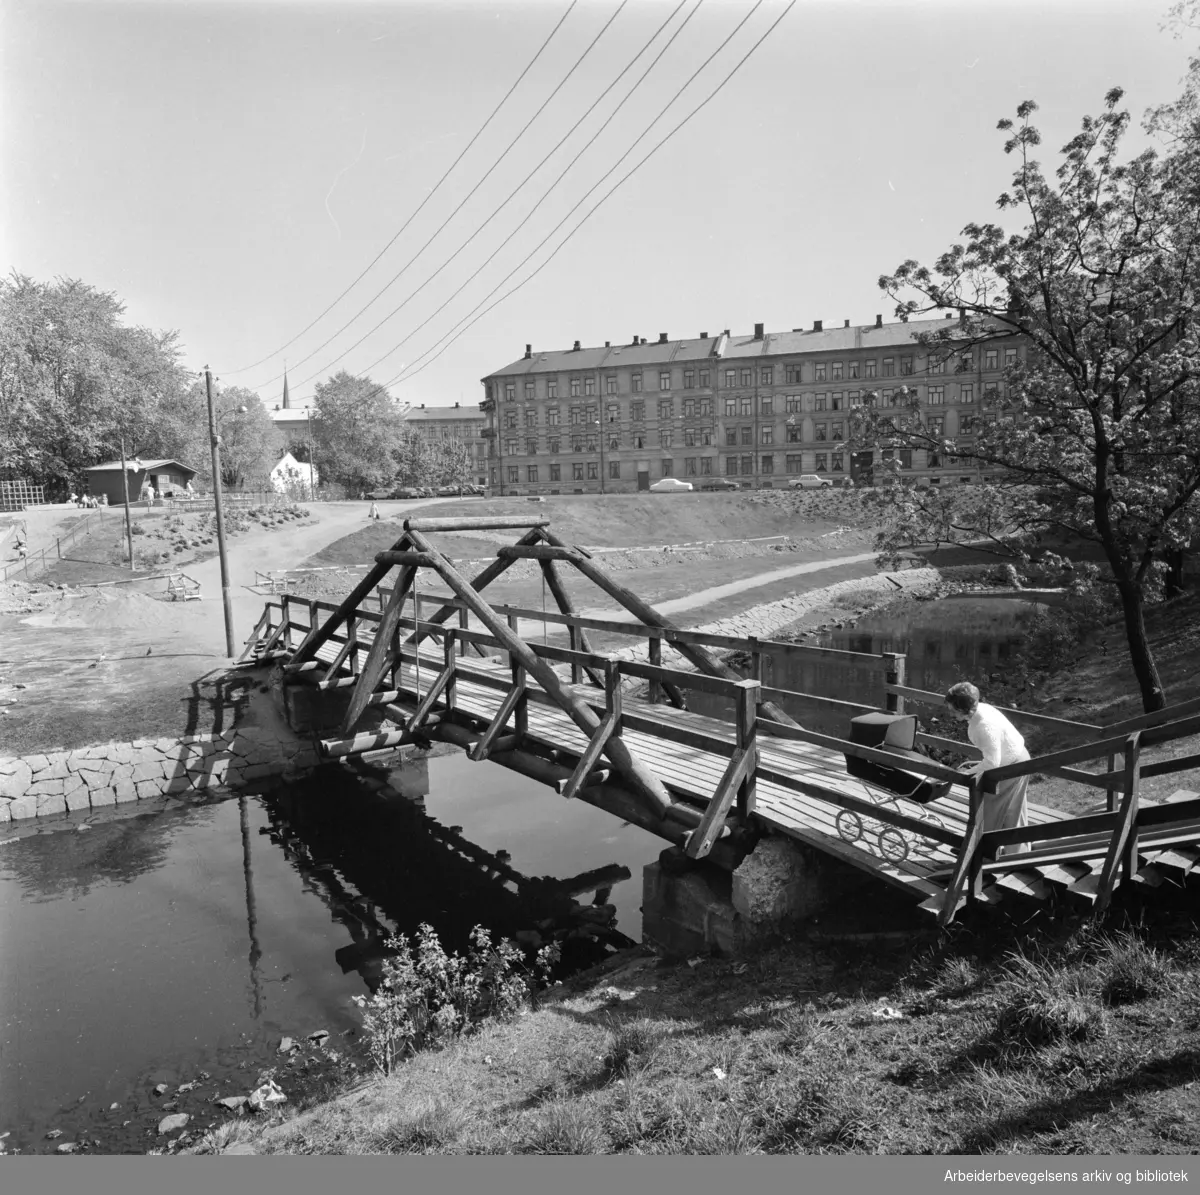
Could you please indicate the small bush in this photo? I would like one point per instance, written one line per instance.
(433, 1130)
(1044, 1005)
(630, 1049)
(956, 977)
(1130, 971)
(564, 1128)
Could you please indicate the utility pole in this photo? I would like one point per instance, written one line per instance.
(312, 485)
(128, 523)
(215, 442)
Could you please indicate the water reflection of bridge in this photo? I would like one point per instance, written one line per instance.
(366, 846)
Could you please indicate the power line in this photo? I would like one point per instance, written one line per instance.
(503, 154)
(413, 294)
(420, 206)
(597, 184)
(408, 373)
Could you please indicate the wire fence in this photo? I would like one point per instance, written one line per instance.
(33, 564)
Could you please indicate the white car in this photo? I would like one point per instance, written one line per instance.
(671, 485)
(810, 481)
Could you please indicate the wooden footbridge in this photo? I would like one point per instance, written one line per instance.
(565, 715)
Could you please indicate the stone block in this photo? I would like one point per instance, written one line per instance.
(76, 760)
(22, 807)
(46, 788)
(73, 783)
(782, 881)
(48, 804)
(4, 815)
(120, 753)
(94, 779)
(167, 745)
(689, 913)
(37, 762)
(8, 764)
(177, 785)
(147, 771)
(79, 799)
(124, 790)
(148, 788)
(102, 796)
(55, 769)
(16, 783)
(100, 752)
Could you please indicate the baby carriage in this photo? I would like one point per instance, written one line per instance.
(896, 734)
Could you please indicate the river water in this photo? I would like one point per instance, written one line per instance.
(179, 943)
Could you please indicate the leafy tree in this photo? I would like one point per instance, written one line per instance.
(250, 443)
(1101, 438)
(356, 425)
(74, 380)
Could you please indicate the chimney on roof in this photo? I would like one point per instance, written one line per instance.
(643, 340)
(703, 335)
(528, 351)
(576, 348)
(422, 406)
(456, 404)
(758, 331)
(845, 323)
(817, 326)
(726, 331)
(608, 344)
(662, 338)
(949, 314)
(635, 340)
(879, 321)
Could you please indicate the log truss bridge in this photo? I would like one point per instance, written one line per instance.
(563, 715)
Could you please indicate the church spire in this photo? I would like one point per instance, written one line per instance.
(285, 389)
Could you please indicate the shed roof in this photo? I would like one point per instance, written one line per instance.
(137, 466)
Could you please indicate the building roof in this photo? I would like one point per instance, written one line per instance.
(443, 413)
(137, 465)
(714, 349)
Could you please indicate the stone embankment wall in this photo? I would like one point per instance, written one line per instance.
(115, 773)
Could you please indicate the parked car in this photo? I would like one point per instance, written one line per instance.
(406, 491)
(671, 485)
(379, 495)
(810, 481)
(720, 483)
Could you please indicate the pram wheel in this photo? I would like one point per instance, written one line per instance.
(849, 825)
(893, 846)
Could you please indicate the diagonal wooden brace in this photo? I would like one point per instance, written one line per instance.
(700, 840)
(380, 655)
(512, 699)
(964, 882)
(338, 660)
(591, 753)
(425, 708)
(1122, 847)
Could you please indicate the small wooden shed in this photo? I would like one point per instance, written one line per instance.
(166, 477)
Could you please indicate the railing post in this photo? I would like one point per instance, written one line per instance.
(449, 692)
(895, 674)
(1110, 793)
(612, 695)
(521, 712)
(747, 740)
(463, 622)
(1133, 781)
(654, 653)
(58, 545)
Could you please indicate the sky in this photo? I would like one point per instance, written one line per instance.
(229, 169)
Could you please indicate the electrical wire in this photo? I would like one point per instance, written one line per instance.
(420, 206)
(408, 373)
(512, 194)
(437, 231)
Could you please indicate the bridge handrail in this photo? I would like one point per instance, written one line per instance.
(924, 697)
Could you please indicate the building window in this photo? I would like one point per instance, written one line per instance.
(576, 415)
(835, 462)
(819, 431)
(704, 378)
(592, 442)
(514, 473)
(746, 406)
(639, 439)
(731, 466)
(689, 437)
(614, 470)
(819, 372)
(510, 448)
(637, 410)
(664, 437)
(852, 369)
(748, 465)
(614, 441)
(937, 425)
(531, 417)
(706, 437)
(768, 406)
(1010, 358)
(906, 366)
(556, 472)
(766, 435)
(990, 358)
(664, 379)
(887, 396)
(530, 390)
(575, 387)
(794, 433)
(576, 443)
(577, 470)
(836, 431)
(668, 466)
(730, 407)
(593, 470)
(531, 446)
(905, 457)
(531, 470)
(689, 379)
(990, 394)
(869, 368)
(819, 401)
(835, 401)
(731, 436)
(937, 395)
(792, 404)
(635, 382)
(552, 387)
(555, 444)
(889, 367)
(747, 376)
(819, 462)
(730, 378)
(689, 408)
(793, 462)
(510, 391)
(747, 435)
(768, 464)
(589, 385)
(612, 412)
(835, 371)
(706, 406)
(689, 466)
(966, 393)
(791, 375)
(510, 419)
(666, 408)
(552, 416)
(766, 376)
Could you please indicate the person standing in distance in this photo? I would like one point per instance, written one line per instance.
(1001, 744)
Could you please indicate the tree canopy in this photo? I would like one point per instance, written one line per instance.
(1099, 430)
(356, 425)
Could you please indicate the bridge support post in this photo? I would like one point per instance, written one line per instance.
(896, 674)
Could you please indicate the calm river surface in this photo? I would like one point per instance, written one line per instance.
(187, 940)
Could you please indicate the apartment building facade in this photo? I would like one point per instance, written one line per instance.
(465, 424)
(756, 409)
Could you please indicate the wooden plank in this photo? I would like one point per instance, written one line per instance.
(701, 839)
(1169, 713)
(473, 523)
(1164, 767)
(927, 698)
(413, 559)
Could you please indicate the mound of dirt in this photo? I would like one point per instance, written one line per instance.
(105, 609)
